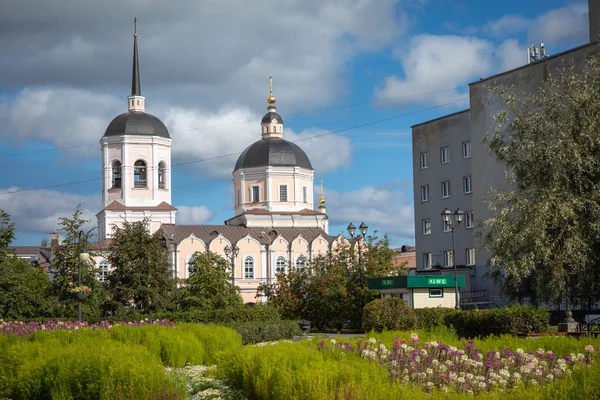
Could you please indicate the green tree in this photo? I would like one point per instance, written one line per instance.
(66, 267)
(333, 290)
(142, 276)
(7, 233)
(209, 284)
(24, 287)
(24, 290)
(545, 234)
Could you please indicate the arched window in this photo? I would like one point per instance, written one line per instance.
(139, 174)
(116, 174)
(280, 265)
(300, 263)
(162, 175)
(248, 267)
(103, 271)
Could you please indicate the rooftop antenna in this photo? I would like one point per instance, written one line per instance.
(535, 54)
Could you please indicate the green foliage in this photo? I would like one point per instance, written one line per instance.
(266, 331)
(388, 314)
(24, 289)
(142, 275)
(332, 291)
(66, 267)
(428, 318)
(508, 320)
(121, 363)
(7, 233)
(209, 284)
(545, 232)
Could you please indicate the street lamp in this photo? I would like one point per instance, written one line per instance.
(452, 220)
(232, 253)
(83, 258)
(363, 228)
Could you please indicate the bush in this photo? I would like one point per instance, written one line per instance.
(257, 332)
(388, 314)
(499, 321)
(429, 318)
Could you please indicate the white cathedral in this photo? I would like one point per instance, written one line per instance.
(274, 227)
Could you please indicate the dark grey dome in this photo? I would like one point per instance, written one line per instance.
(137, 123)
(273, 152)
(269, 117)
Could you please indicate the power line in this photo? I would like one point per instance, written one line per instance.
(246, 121)
(239, 152)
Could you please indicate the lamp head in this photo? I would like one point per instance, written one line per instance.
(84, 257)
(351, 229)
(363, 229)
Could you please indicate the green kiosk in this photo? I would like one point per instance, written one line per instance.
(419, 291)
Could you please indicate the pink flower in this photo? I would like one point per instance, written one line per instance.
(589, 348)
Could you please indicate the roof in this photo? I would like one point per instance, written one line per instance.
(233, 233)
(117, 206)
(304, 211)
(269, 117)
(274, 152)
(25, 249)
(100, 245)
(137, 123)
(442, 117)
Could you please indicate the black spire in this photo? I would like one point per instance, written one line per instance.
(135, 80)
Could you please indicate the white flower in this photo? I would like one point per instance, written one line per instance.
(549, 377)
(333, 341)
(519, 351)
(429, 371)
(372, 340)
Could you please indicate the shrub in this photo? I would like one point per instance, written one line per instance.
(261, 331)
(508, 320)
(388, 314)
(429, 318)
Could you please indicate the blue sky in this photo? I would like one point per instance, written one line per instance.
(204, 69)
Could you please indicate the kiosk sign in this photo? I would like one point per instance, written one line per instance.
(437, 281)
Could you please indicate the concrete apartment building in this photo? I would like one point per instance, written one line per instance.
(453, 169)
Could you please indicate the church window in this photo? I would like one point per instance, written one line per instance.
(103, 271)
(300, 263)
(267, 129)
(249, 267)
(116, 174)
(280, 265)
(283, 193)
(139, 174)
(162, 175)
(304, 194)
(255, 194)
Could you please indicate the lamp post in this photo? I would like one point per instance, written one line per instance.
(363, 228)
(452, 220)
(83, 258)
(232, 253)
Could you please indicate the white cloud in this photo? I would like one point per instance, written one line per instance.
(511, 54)
(386, 209)
(73, 117)
(561, 25)
(193, 215)
(435, 64)
(506, 25)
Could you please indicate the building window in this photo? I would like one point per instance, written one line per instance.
(300, 263)
(139, 174)
(425, 193)
(116, 174)
(103, 271)
(280, 265)
(469, 223)
(436, 292)
(162, 175)
(304, 194)
(249, 267)
(255, 194)
(426, 226)
(426, 260)
(238, 196)
(467, 185)
(423, 162)
(448, 258)
(444, 156)
(470, 256)
(283, 193)
(446, 227)
(466, 149)
(445, 189)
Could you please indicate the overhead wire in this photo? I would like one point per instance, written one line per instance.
(239, 152)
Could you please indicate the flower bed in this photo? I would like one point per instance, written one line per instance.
(437, 366)
(27, 328)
